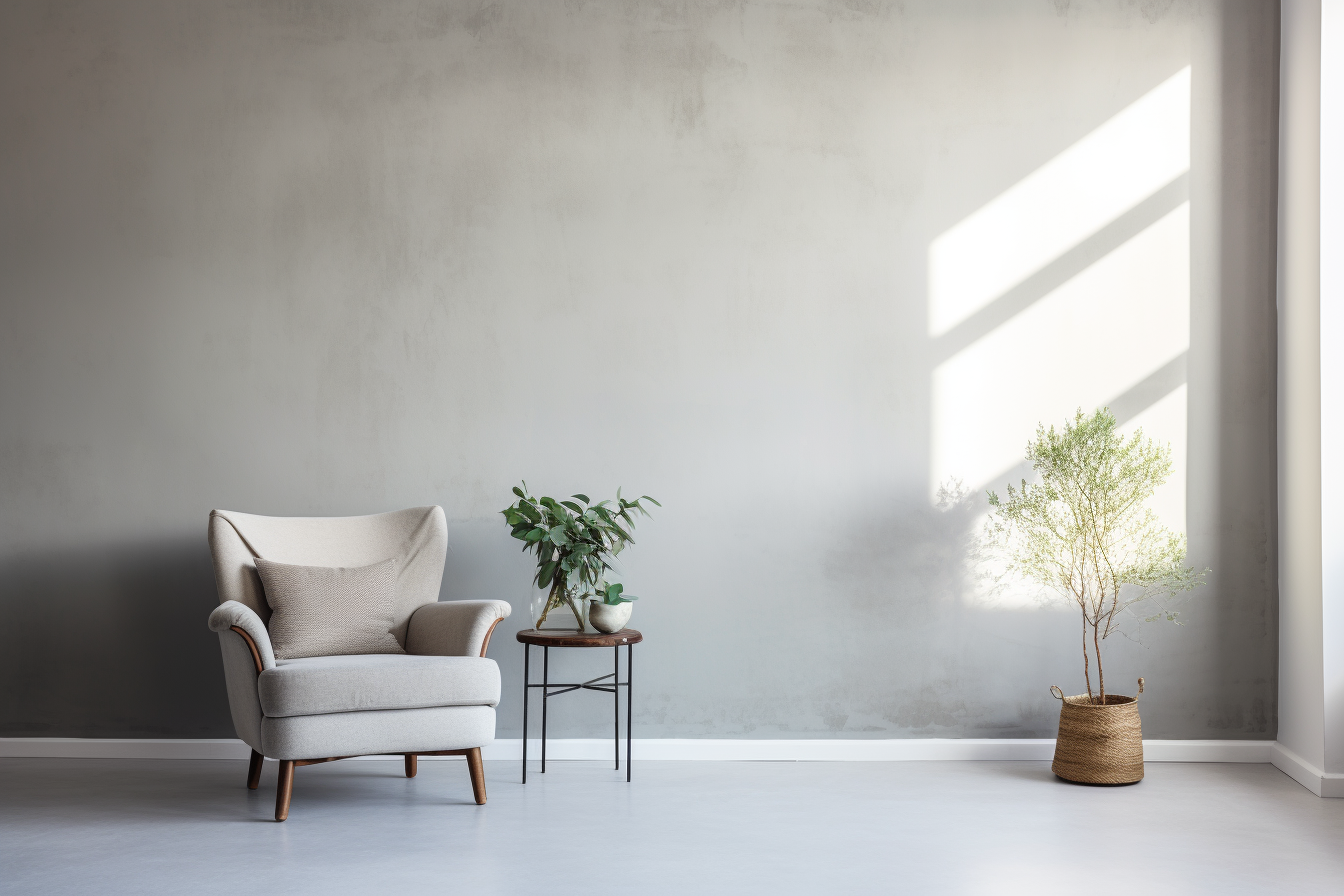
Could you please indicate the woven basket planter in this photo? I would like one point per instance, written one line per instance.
(1099, 744)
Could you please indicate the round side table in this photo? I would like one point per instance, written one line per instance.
(626, 637)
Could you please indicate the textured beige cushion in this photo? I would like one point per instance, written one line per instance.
(330, 611)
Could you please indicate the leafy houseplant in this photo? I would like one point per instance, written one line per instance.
(574, 544)
(1085, 531)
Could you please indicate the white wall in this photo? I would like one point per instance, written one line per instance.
(1301, 696)
(1332, 381)
(1311, 395)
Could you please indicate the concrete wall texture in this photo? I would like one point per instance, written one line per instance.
(338, 258)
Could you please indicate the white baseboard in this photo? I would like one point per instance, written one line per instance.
(1207, 750)
(600, 749)
(883, 750)
(122, 748)
(717, 749)
(1319, 782)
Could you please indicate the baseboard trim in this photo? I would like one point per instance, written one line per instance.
(122, 748)
(885, 750)
(1207, 750)
(716, 749)
(722, 749)
(1319, 782)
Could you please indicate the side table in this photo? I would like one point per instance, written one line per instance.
(626, 637)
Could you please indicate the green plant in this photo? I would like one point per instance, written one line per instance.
(574, 545)
(1084, 529)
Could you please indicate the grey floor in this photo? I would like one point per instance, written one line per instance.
(100, 826)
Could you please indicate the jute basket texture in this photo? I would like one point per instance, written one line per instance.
(1099, 743)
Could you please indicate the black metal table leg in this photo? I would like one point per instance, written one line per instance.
(616, 703)
(545, 696)
(527, 678)
(629, 702)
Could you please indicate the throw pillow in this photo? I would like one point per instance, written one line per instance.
(330, 611)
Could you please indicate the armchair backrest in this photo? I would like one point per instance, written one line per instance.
(417, 538)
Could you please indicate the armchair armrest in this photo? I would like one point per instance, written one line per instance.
(232, 615)
(455, 627)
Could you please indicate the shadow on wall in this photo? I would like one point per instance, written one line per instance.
(965, 659)
(112, 642)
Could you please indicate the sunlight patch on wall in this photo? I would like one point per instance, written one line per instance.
(1071, 197)
(1081, 345)
(1165, 422)
(1069, 290)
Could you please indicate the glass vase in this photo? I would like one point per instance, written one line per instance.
(560, 618)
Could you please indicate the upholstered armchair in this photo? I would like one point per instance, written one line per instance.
(432, 692)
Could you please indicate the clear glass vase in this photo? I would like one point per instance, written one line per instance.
(560, 618)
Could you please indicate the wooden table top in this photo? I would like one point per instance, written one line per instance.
(579, 639)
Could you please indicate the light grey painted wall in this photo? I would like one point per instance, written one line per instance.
(339, 258)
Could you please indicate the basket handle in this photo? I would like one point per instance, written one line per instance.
(1059, 695)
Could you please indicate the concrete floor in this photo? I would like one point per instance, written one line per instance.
(103, 827)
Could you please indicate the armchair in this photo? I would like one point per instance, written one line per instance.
(438, 698)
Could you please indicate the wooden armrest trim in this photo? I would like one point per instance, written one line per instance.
(485, 645)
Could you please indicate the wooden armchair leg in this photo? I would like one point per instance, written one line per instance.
(477, 774)
(284, 786)
(411, 765)
(254, 770)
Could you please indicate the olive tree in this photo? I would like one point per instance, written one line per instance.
(1084, 529)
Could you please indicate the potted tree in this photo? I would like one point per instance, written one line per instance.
(575, 544)
(1084, 531)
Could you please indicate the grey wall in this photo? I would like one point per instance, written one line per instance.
(334, 258)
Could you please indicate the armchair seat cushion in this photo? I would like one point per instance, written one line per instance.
(355, 683)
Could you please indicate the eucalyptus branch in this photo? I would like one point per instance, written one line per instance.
(575, 544)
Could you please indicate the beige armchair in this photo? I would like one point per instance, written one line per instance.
(438, 698)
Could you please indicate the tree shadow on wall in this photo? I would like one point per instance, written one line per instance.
(910, 582)
(111, 641)
(911, 560)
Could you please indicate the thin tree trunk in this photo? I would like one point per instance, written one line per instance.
(1087, 674)
(1101, 676)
